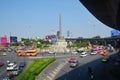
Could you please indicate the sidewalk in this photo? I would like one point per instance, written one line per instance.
(51, 71)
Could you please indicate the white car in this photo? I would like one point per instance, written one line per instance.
(83, 54)
(93, 53)
(11, 66)
(51, 52)
(74, 52)
(74, 63)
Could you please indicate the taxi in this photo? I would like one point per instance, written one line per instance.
(4, 54)
(72, 59)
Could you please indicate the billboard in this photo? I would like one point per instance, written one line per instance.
(115, 33)
(13, 39)
(51, 38)
(3, 41)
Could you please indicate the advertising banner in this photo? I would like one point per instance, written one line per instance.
(115, 33)
(13, 39)
(4, 41)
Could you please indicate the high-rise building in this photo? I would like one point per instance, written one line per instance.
(58, 32)
(68, 34)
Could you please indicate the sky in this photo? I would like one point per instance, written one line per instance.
(38, 18)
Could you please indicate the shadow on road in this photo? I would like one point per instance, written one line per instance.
(102, 71)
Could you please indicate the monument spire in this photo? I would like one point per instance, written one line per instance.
(60, 27)
(60, 44)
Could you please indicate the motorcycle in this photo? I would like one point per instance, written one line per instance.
(90, 72)
(91, 76)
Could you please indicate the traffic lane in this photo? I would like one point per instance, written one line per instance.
(79, 73)
(55, 54)
(12, 57)
(82, 73)
(9, 56)
(68, 72)
(3, 71)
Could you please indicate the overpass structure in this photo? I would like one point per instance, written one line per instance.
(106, 11)
(98, 41)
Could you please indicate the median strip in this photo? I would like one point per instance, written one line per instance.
(35, 68)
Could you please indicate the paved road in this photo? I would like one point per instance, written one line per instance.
(51, 71)
(11, 56)
(66, 73)
(81, 73)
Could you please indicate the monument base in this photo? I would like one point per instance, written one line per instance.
(60, 45)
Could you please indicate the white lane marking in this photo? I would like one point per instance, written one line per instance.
(49, 77)
(56, 69)
(51, 74)
(54, 72)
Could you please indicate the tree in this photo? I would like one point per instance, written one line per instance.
(78, 44)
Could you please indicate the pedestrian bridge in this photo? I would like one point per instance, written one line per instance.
(107, 11)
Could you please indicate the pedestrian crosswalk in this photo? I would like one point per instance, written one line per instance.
(52, 72)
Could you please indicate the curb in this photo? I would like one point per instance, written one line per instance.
(53, 73)
(59, 71)
(37, 77)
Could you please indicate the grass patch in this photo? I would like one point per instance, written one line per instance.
(35, 68)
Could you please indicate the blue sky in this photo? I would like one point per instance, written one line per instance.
(31, 18)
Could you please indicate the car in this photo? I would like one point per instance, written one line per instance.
(9, 50)
(79, 51)
(93, 53)
(11, 66)
(74, 52)
(6, 78)
(9, 77)
(1, 64)
(16, 71)
(46, 52)
(74, 63)
(72, 59)
(105, 59)
(51, 52)
(83, 54)
(4, 54)
(22, 64)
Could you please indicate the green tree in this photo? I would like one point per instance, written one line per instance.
(78, 44)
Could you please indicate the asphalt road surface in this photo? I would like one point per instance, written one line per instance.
(11, 56)
(66, 73)
(100, 69)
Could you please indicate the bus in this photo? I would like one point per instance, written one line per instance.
(30, 52)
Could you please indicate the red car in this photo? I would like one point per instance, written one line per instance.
(1, 64)
(72, 60)
(46, 51)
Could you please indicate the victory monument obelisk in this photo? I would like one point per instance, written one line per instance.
(60, 37)
(61, 44)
